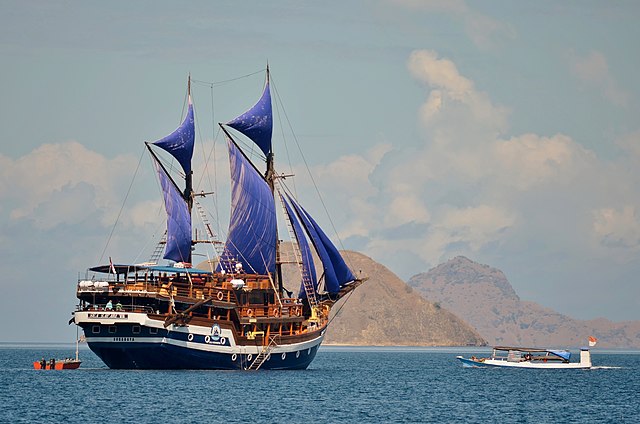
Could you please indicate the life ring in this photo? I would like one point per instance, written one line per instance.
(295, 311)
(250, 312)
(276, 312)
(220, 295)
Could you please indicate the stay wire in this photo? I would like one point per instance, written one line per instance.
(121, 207)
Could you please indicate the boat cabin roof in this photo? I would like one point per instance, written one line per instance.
(564, 354)
(125, 269)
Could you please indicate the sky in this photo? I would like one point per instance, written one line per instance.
(504, 131)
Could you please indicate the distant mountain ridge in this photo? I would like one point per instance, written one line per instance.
(484, 298)
(385, 311)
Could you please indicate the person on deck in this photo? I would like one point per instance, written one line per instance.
(109, 306)
(118, 306)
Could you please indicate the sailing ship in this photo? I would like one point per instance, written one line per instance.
(233, 312)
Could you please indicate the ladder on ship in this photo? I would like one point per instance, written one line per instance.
(263, 355)
(213, 239)
(157, 253)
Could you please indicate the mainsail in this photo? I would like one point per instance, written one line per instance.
(252, 230)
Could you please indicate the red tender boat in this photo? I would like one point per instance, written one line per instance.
(57, 364)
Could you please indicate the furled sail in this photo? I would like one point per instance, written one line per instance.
(309, 269)
(180, 142)
(257, 122)
(178, 246)
(337, 273)
(252, 230)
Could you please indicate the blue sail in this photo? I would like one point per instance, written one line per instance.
(252, 230)
(305, 251)
(337, 273)
(257, 122)
(331, 282)
(180, 142)
(178, 246)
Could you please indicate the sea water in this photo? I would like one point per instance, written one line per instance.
(342, 385)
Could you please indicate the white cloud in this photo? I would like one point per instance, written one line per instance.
(617, 228)
(483, 30)
(469, 190)
(531, 159)
(64, 183)
(593, 69)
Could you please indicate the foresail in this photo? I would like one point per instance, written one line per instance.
(308, 266)
(337, 273)
(252, 230)
(257, 122)
(180, 142)
(178, 247)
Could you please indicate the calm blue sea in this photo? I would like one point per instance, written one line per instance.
(342, 385)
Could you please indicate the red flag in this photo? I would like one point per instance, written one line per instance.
(592, 341)
(112, 268)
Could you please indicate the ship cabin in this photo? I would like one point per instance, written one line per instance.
(245, 303)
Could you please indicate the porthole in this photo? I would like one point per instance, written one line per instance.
(284, 355)
(249, 357)
(153, 331)
(190, 337)
(95, 329)
(135, 329)
(113, 329)
(297, 354)
(234, 357)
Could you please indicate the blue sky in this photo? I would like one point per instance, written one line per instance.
(504, 131)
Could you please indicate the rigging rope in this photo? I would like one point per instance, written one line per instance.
(121, 208)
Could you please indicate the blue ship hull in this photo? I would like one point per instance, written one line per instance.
(167, 356)
(151, 348)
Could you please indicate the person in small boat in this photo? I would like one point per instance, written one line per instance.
(527, 357)
(109, 305)
(43, 364)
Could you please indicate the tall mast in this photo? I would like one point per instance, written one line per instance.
(270, 176)
(188, 190)
(270, 173)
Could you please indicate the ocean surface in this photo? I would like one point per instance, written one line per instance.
(342, 385)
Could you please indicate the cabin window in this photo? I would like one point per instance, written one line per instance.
(112, 329)
(153, 331)
(135, 329)
(95, 329)
(256, 298)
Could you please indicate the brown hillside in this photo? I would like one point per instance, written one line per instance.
(386, 311)
(485, 299)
